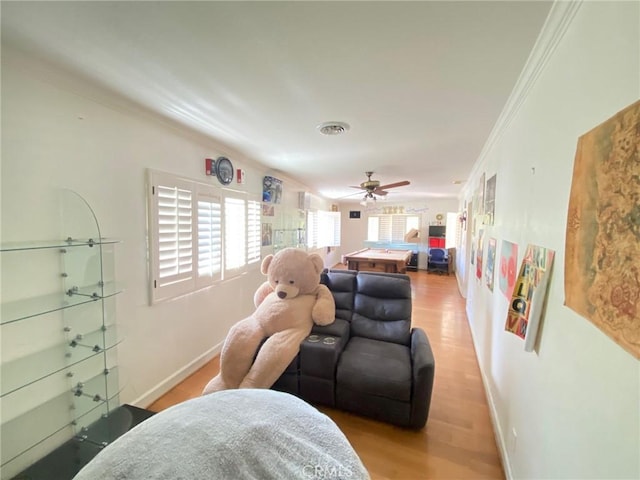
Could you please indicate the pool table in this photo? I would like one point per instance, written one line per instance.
(378, 259)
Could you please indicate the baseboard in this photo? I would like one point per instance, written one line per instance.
(163, 387)
(493, 413)
(463, 294)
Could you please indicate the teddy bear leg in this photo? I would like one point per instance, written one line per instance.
(273, 358)
(237, 355)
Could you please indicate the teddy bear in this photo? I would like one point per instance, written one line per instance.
(287, 304)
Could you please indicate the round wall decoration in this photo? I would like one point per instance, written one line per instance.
(439, 217)
(224, 170)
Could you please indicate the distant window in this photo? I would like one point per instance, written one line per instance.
(391, 228)
(328, 229)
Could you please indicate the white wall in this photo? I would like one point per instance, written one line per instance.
(61, 132)
(575, 403)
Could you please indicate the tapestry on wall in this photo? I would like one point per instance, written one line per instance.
(602, 272)
(508, 267)
(491, 261)
(529, 293)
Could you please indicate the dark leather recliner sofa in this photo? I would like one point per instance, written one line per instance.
(369, 361)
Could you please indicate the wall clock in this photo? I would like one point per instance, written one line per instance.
(224, 170)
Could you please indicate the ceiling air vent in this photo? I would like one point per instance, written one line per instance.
(333, 128)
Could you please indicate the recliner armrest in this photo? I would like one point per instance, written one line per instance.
(339, 328)
(423, 372)
(320, 351)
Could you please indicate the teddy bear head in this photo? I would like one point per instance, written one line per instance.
(292, 272)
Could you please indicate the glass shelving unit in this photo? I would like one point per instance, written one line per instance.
(60, 382)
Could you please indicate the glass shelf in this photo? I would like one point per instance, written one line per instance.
(38, 245)
(91, 391)
(20, 434)
(22, 372)
(67, 460)
(25, 432)
(31, 307)
(55, 381)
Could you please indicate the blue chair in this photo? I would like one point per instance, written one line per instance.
(438, 261)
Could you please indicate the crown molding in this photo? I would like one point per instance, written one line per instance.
(560, 16)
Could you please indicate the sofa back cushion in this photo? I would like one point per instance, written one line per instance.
(382, 307)
(342, 284)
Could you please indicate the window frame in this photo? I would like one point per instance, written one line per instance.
(389, 226)
(165, 287)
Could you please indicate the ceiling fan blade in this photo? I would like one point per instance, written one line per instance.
(379, 191)
(358, 187)
(393, 185)
(350, 195)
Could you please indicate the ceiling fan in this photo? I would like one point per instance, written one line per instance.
(373, 188)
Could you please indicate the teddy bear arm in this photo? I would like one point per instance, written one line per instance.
(237, 354)
(262, 292)
(274, 357)
(324, 310)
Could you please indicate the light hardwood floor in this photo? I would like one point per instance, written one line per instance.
(458, 441)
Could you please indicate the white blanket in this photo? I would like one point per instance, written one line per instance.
(231, 435)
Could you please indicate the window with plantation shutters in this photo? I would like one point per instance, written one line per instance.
(198, 234)
(391, 228)
(172, 236)
(328, 228)
(175, 233)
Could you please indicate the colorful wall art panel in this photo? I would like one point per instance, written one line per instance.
(530, 290)
(271, 190)
(479, 253)
(491, 261)
(508, 267)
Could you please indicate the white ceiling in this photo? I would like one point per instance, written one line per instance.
(420, 83)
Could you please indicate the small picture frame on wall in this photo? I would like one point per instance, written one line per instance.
(354, 214)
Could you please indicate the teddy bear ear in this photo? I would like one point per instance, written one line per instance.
(317, 262)
(266, 261)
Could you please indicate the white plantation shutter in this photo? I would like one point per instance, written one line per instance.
(391, 228)
(384, 232)
(209, 238)
(312, 229)
(172, 242)
(373, 228)
(235, 233)
(254, 210)
(398, 224)
(175, 231)
(328, 228)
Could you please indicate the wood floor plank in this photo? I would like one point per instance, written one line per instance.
(458, 441)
